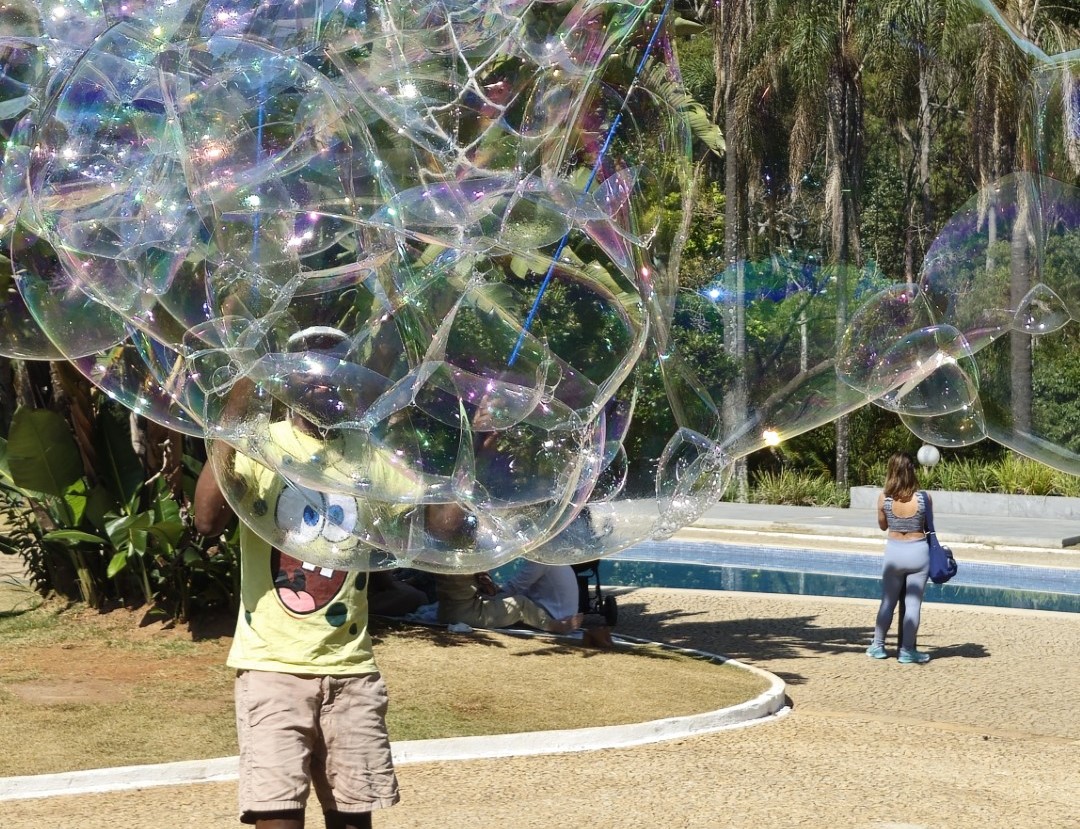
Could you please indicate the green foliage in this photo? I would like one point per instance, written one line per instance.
(704, 248)
(811, 453)
(1055, 381)
(119, 469)
(874, 435)
(1019, 476)
(1011, 474)
(41, 454)
(123, 540)
(884, 217)
(797, 489)
(42, 472)
(696, 66)
(961, 476)
(653, 424)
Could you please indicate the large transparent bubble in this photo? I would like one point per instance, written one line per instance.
(959, 325)
(428, 279)
(397, 262)
(1003, 272)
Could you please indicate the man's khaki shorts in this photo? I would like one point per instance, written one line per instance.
(298, 731)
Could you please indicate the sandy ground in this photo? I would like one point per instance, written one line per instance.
(985, 735)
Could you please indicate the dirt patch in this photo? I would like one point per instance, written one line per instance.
(101, 672)
(57, 692)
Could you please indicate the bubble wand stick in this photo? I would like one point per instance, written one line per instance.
(588, 185)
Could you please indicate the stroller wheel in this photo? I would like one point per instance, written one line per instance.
(611, 611)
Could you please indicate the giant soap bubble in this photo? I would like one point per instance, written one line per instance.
(402, 261)
(964, 342)
(385, 256)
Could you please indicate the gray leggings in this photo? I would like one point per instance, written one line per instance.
(906, 562)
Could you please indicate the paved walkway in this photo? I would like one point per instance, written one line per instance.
(988, 530)
(1016, 540)
(15, 590)
(986, 735)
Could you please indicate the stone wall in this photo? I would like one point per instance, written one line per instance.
(983, 503)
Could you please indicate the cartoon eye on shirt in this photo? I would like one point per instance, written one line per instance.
(307, 517)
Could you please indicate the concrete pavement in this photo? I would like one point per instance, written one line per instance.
(995, 538)
(988, 530)
(983, 737)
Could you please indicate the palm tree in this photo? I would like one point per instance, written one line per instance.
(818, 49)
(1007, 129)
(733, 27)
(918, 87)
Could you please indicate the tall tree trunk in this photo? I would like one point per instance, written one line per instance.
(1021, 266)
(989, 161)
(8, 399)
(1025, 242)
(910, 238)
(73, 395)
(731, 29)
(844, 135)
(925, 138)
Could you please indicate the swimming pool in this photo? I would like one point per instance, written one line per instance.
(765, 569)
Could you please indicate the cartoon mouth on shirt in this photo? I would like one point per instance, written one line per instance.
(301, 587)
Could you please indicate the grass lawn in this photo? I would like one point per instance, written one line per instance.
(85, 690)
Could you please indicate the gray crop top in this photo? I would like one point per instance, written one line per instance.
(913, 524)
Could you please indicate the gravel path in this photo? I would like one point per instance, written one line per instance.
(986, 735)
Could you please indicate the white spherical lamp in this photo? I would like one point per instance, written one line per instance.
(928, 455)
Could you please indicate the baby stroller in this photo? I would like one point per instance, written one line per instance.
(591, 600)
(601, 612)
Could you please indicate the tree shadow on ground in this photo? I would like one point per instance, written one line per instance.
(759, 639)
(215, 624)
(763, 638)
(437, 635)
(574, 646)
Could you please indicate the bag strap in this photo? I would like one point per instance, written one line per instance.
(929, 512)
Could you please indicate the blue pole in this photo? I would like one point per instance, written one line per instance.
(588, 185)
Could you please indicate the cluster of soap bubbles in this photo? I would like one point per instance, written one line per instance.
(975, 346)
(1002, 284)
(396, 260)
(411, 267)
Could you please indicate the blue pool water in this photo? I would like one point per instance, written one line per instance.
(761, 569)
(764, 569)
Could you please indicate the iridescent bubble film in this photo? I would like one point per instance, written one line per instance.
(419, 272)
(960, 324)
(396, 261)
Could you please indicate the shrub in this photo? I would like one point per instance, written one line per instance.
(964, 476)
(121, 537)
(1011, 475)
(1066, 484)
(796, 489)
(1020, 476)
